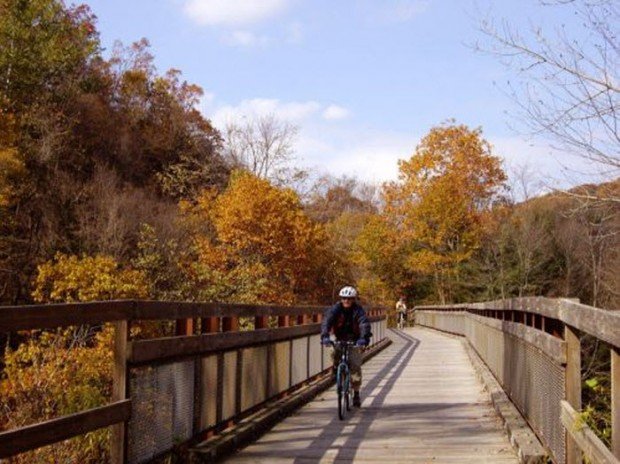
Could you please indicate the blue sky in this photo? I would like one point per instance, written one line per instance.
(363, 79)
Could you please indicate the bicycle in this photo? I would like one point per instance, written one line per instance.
(343, 377)
(402, 317)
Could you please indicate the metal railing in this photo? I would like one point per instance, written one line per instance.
(532, 346)
(172, 390)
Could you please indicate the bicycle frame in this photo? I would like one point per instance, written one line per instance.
(343, 377)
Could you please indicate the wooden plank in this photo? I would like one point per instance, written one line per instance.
(120, 382)
(13, 318)
(591, 446)
(600, 323)
(615, 401)
(180, 310)
(573, 387)
(45, 433)
(421, 402)
(144, 351)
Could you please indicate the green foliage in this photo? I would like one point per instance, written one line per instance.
(163, 263)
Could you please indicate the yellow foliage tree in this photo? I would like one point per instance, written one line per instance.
(378, 255)
(11, 170)
(90, 278)
(255, 244)
(439, 202)
(342, 233)
(52, 374)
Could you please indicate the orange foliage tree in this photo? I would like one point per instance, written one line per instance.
(255, 244)
(438, 204)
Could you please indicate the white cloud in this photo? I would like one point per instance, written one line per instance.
(371, 156)
(402, 10)
(232, 12)
(207, 98)
(246, 39)
(547, 168)
(205, 104)
(335, 112)
(294, 32)
(338, 149)
(288, 111)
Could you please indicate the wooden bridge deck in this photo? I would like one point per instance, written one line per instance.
(421, 403)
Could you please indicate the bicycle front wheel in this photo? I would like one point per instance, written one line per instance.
(343, 394)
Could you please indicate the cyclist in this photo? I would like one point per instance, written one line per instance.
(401, 309)
(348, 321)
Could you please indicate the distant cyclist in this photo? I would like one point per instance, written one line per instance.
(401, 310)
(348, 322)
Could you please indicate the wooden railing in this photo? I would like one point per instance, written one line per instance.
(532, 346)
(180, 388)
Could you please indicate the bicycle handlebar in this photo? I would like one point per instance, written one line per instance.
(341, 343)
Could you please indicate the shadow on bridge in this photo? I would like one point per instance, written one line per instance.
(371, 405)
(421, 403)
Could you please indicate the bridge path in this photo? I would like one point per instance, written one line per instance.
(421, 403)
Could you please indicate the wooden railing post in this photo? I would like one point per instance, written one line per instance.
(615, 401)
(210, 325)
(118, 440)
(261, 322)
(573, 386)
(184, 327)
(230, 324)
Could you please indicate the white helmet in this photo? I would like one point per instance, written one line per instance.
(347, 292)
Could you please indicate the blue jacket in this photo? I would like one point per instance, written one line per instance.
(347, 324)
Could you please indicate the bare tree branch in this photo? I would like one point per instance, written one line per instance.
(262, 145)
(568, 85)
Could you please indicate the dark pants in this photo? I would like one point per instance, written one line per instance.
(355, 364)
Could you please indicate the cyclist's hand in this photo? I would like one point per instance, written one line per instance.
(326, 341)
(362, 342)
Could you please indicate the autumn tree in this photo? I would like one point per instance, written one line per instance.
(56, 373)
(69, 278)
(165, 138)
(263, 145)
(256, 244)
(71, 123)
(332, 196)
(45, 50)
(444, 191)
(379, 255)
